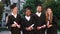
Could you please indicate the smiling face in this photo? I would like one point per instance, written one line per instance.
(28, 12)
(15, 10)
(39, 9)
(49, 10)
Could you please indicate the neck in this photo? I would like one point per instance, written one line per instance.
(27, 15)
(14, 13)
(39, 12)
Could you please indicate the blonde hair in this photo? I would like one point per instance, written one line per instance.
(51, 17)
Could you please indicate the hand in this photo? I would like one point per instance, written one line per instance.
(43, 26)
(18, 26)
(49, 26)
(38, 28)
(29, 28)
(47, 23)
(13, 25)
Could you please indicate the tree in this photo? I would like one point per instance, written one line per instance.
(1, 10)
(55, 5)
(7, 2)
(32, 4)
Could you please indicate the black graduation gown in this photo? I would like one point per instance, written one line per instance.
(53, 29)
(27, 23)
(11, 19)
(39, 21)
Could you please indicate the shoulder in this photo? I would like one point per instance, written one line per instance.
(18, 15)
(43, 12)
(9, 16)
(33, 15)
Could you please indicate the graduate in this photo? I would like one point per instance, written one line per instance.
(14, 20)
(28, 23)
(40, 20)
(51, 21)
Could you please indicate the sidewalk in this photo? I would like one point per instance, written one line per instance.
(8, 32)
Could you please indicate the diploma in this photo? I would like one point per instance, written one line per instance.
(16, 23)
(32, 25)
(43, 26)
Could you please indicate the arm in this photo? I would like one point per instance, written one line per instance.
(44, 23)
(9, 23)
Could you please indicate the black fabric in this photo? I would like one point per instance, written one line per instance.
(53, 29)
(39, 21)
(27, 23)
(11, 20)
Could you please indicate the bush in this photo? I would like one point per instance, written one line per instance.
(1, 10)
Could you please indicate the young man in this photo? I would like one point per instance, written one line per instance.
(40, 20)
(14, 20)
(28, 23)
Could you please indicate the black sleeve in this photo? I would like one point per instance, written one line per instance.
(34, 20)
(44, 19)
(9, 22)
(20, 21)
(23, 27)
(55, 21)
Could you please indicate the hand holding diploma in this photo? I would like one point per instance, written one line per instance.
(16, 24)
(38, 28)
(49, 25)
(30, 28)
(43, 26)
(13, 25)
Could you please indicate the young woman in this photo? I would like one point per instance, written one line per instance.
(51, 21)
(14, 20)
(28, 23)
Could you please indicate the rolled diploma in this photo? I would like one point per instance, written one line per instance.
(32, 25)
(16, 23)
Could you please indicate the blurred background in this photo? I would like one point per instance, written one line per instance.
(21, 4)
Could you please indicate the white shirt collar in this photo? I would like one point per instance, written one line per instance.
(27, 17)
(38, 14)
(14, 15)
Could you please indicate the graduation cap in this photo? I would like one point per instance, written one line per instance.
(38, 3)
(13, 6)
(28, 7)
(49, 7)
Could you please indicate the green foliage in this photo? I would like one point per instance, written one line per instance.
(56, 8)
(45, 3)
(1, 10)
(32, 4)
